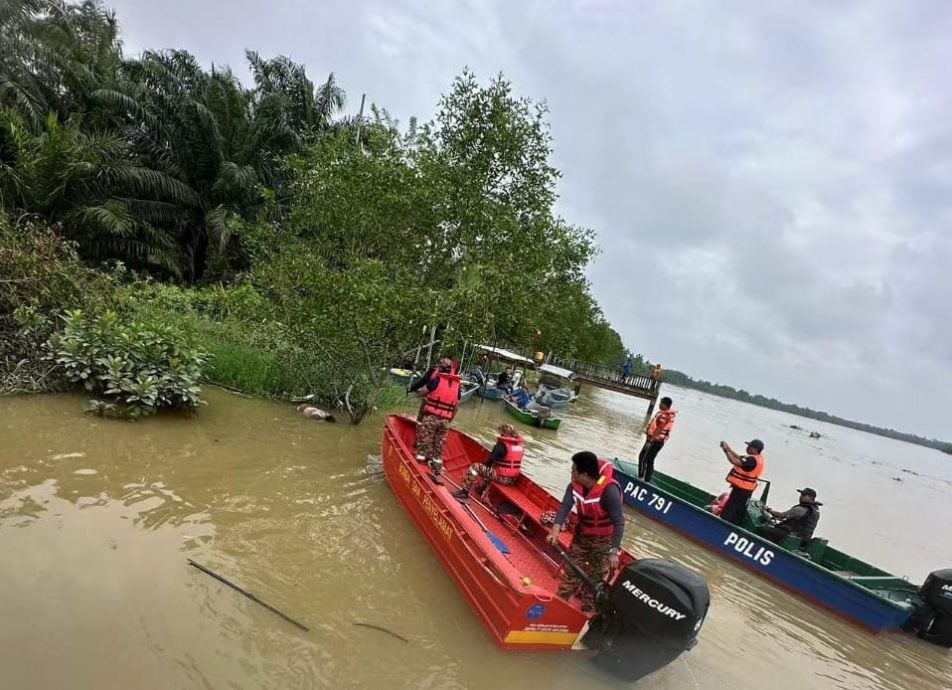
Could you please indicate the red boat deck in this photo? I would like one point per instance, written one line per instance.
(512, 594)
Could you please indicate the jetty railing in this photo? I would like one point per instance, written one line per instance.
(612, 378)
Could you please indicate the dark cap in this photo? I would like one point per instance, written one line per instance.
(808, 491)
(756, 443)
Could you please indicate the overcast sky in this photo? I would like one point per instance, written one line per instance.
(771, 183)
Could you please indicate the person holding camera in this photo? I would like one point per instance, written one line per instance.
(745, 470)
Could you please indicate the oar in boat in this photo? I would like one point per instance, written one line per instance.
(583, 576)
(497, 542)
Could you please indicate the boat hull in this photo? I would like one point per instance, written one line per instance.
(468, 389)
(556, 397)
(492, 393)
(531, 419)
(510, 596)
(792, 572)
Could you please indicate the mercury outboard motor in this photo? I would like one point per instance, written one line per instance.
(649, 617)
(933, 619)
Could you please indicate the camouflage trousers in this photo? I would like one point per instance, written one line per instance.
(430, 436)
(591, 553)
(482, 474)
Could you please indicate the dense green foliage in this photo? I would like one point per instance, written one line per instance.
(130, 369)
(305, 252)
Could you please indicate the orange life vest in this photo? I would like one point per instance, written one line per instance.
(605, 468)
(744, 480)
(442, 400)
(660, 427)
(594, 520)
(511, 464)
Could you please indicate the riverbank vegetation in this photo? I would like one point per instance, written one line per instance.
(303, 250)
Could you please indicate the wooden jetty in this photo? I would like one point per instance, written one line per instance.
(611, 378)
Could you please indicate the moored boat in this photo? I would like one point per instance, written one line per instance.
(533, 417)
(492, 393)
(404, 376)
(467, 389)
(554, 397)
(494, 550)
(860, 592)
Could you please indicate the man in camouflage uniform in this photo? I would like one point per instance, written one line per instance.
(430, 437)
(436, 413)
(598, 533)
(485, 472)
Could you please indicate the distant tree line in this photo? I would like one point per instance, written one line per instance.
(681, 379)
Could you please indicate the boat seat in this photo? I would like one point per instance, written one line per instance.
(529, 509)
(814, 549)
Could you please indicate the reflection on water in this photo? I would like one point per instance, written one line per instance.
(98, 517)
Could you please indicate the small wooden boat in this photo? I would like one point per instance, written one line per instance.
(404, 376)
(492, 393)
(532, 417)
(860, 592)
(554, 397)
(493, 548)
(467, 389)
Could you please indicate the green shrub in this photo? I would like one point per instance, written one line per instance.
(40, 276)
(131, 369)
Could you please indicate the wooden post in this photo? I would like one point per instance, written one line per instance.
(360, 118)
(429, 350)
(653, 401)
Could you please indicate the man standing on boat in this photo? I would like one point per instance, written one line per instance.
(502, 466)
(601, 525)
(657, 433)
(800, 521)
(742, 478)
(441, 399)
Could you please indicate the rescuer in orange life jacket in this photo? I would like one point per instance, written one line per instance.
(657, 433)
(502, 466)
(440, 394)
(601, 525)
(742, 478)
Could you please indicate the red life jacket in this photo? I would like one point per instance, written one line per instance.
(442, 400)
(744, 480)
(605, 468)
(511, 464)
(594, 520)
(660, 427)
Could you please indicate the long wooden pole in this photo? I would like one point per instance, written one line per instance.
(247, 594)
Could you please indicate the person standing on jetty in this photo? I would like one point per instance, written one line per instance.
(440, 401)
(657, 433)
(742, 478)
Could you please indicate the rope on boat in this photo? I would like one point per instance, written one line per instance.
(247, 594)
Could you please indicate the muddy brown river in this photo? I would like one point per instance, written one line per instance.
(98, 517)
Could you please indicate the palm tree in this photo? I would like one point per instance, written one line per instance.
(53, 53)
(86, 184)
(192, 126)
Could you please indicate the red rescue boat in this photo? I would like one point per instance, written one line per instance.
(512, 594)
(494, 549)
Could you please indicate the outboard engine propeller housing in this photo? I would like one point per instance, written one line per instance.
(650, 616)
(933, 619)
